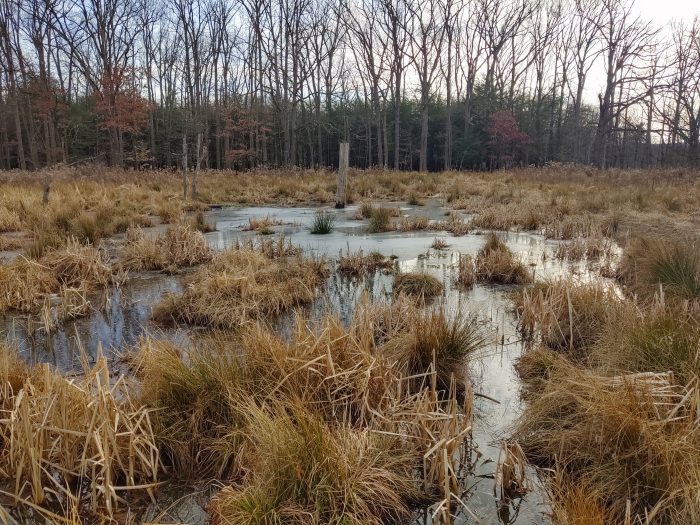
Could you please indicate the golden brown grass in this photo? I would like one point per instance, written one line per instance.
(319, 428)
(565, 316)
(417, 284)
(411, 223)
(262, 225)
(432, 340)
(356, 264)
(634, 439)
(495, 263)
(93, 202)
(439, 244)
(653, 266)
(180, 246)
(454, 224)
(240, 286)
(658, 338)
(580, 248)
(26, 284)
(466, 269)
(58, 432)
(622, 433)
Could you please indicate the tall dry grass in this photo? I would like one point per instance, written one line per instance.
(417, 284)
(670, 267)
(496, 263)
(634, 439)
(322, 427)
(83, 439)
(180, 246)
(26, 285)
(239, 286)
(565, 316)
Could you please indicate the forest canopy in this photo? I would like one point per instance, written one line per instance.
(411, 84)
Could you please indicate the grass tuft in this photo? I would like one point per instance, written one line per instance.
(495, 263)
(632, 438)
(672, 267)
(324, 222)
(180, 246)
(380, 220)
(417, 284)
(240, 286)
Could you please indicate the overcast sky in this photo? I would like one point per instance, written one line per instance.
(661, 13)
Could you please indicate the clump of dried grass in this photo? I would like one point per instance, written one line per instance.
(439, 244)
(9, 220)
(26, 284)
(272, 248)
(200, 223)
(80, 265)
(13, 373)
(565, 316)
(519, 215)
(380, 220)
(634, 439)
(307, 471)
(495, 263)
(466, 271)
(318, 425)
(670, 267)
(454, 224)
(356, 264)
(434, 341)
(262, 225)
(584, 248)
(657, 339)
(572, 227)
(59, 431)
(192, 410)
(411, 223)
(180, 246)
(240, 286)
(417, 284)
(575, 503)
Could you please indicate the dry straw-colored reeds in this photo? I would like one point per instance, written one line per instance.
(331, 426)
(634, 438)
(180, 246)
(82, 439)
(240, 285)
(357, 264)
(26, 285)
(494, 263)
(417, 284)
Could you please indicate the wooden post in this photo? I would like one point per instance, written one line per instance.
(341, 197)
(184, 165)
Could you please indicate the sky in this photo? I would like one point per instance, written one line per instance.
(661, 13)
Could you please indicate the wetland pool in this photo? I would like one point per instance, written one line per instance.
(124, 312)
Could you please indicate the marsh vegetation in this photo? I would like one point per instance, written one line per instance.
(351, 377)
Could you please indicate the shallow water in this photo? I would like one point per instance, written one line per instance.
(124, 317)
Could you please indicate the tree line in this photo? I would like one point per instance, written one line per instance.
(410, 84)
